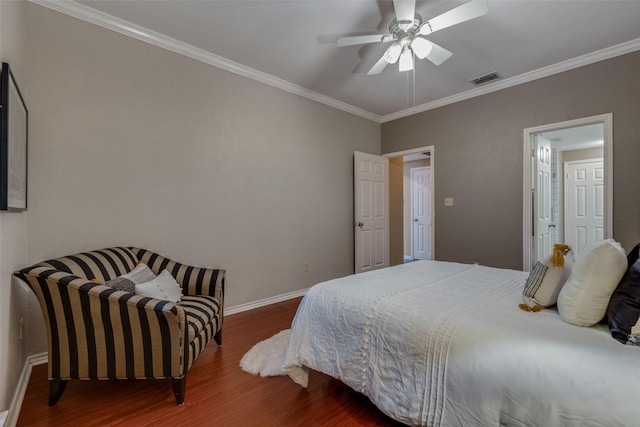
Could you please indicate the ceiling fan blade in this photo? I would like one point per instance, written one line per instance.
(373, 38)
(438, 54)
(378, 67)
(462, 13)
(405, 10)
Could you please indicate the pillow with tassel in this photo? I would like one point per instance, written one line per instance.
(547, 277)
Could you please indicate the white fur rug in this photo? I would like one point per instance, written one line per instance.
(265, 358)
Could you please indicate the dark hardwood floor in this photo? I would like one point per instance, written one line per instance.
(219, 393)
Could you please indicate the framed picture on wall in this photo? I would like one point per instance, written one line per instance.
(13, 144)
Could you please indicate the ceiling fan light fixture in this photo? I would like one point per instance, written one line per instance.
(393, 53)
(405, 25)
(405, 33)
(406, 60)
(421, 47)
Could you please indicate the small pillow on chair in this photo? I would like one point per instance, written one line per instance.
(127, 282)
(162, 287)
(141, 274)
(545, 281)
(121, 284)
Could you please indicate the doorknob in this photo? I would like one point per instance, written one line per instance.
(552, 225)
(415, 220)
(359, 224)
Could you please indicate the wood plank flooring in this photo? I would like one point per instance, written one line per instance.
(219, 393)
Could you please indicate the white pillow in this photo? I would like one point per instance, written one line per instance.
(545, 281)
(585, 296)
(142, 273)
(162, 287)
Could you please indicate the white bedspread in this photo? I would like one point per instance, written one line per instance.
(444, 344)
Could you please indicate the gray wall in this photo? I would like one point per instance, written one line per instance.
(478, 156)
(135, 145)
(14, 300)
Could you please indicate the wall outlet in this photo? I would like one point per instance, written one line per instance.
(448, 201)
(307, 265)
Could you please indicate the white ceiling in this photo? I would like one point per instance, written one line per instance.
(291, 44)
(586, 136)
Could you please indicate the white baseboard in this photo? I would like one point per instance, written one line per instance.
(9, 418)
(263, 302)
(18, 396)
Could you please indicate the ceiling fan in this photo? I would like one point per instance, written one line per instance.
(406, 31)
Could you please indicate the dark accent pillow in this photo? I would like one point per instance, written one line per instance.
(624, 307)
(634, 255)
(121, 284)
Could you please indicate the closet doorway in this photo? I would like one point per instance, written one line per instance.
(412, 204)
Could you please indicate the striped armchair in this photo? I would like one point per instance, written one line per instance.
(98, 332)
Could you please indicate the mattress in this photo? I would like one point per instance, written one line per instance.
(445, 344)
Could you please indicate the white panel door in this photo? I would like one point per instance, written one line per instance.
(421, 212)
(584, 203)
(542, 199)
(371, 211)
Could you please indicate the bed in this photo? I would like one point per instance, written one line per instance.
(444, 344)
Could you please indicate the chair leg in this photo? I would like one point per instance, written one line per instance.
(218, 338)
(56, 388)
(179, 385)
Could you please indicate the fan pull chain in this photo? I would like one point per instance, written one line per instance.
(414, 85)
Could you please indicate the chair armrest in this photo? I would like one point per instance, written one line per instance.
(105, 332)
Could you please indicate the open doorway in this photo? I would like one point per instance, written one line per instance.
(568, 186)
(411, 196)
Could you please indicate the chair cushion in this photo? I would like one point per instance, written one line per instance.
(200, 310)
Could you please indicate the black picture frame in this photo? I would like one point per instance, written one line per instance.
(14, 124)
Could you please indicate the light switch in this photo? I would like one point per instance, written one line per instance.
(448, 201)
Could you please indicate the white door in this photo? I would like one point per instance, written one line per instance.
(371, 211)
(421, 212)
(584, 203)
(542, 199)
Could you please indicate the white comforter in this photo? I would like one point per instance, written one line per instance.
(444, 344)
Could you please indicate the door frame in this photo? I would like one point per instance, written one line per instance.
(528, 185)
(431, 150)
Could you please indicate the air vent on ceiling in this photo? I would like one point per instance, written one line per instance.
(486, 78)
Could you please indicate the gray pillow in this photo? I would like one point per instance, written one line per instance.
(121, 284)
(127, 282)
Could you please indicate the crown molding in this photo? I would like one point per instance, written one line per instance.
(580, 61)
(85, 13)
